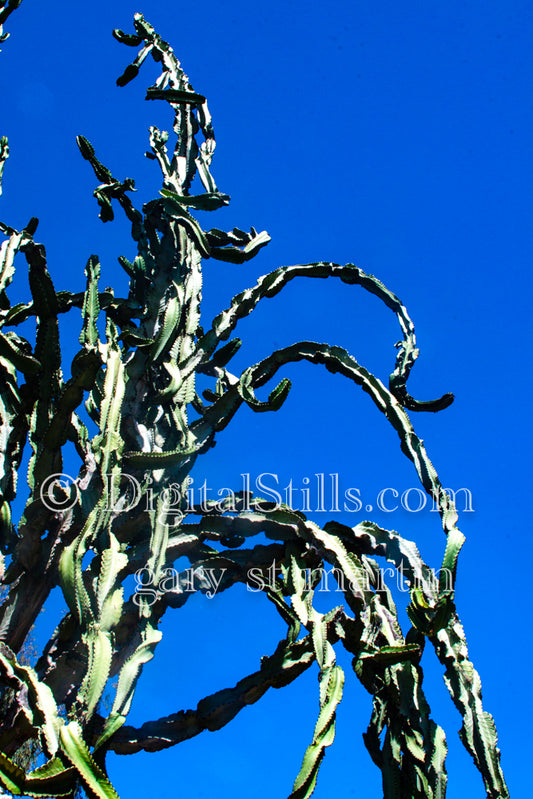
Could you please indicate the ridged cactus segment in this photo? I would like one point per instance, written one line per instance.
(40, 701)
(132, 668)
(54, 778)
(78, 753)
(331, 678)
(478, 732)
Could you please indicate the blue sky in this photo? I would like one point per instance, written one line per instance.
(392, 135)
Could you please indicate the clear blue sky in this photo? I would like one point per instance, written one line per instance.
(396, 135)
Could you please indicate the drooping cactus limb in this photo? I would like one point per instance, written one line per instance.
(447, 636)
(338, 360)
(217, 710)
(271, 284)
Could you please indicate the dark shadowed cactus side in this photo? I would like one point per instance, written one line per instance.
(136, 382)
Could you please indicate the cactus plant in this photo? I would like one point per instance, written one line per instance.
(132, 409)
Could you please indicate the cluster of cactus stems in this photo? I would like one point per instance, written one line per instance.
(135, 384)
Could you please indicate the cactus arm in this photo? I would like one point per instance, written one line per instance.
(335, 359)
(32, 555)
(13, 432)
(8, 249)
(209, 201)
(169, 328)
(213, 712)
(54, 778)
(217, 710)
(85, 366)
(89, 336)
(66, 300)
(61, 673)
(111, 189)
(44, 460)
(12, 348)
(412, 756)
(174, 86)
(99, 637)
(98, 611)
(41, 704)
(178, 212)
(276, 398)
(159, 460)
(271, 284)
(331, 677)
(31, 578)
(57, 424)
(370, 539)
(108, 444)
(11, 776)
(478, 732)
(76, 750)
(236, 247)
